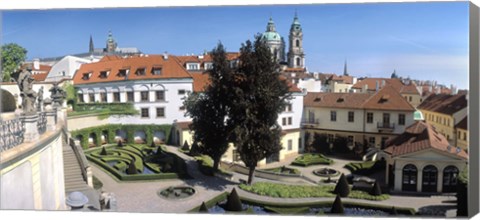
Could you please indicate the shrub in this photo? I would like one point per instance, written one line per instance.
(376, 191)
(194, 151)
(131, 168)
(233, 202)
(337, 206)
(203, 208)
(119, 143)
(342, 189)
(393, 211)
(185, 146)
(104, 152)
(311, 159)
(365, 168)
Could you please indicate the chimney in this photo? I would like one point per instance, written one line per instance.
(376, 86)
(383, 83)
(365, 88)
(165, 55)
(36, 63)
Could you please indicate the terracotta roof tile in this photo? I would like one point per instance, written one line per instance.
(200, 81)
(421, 136)
(443, 103)
(388, 99)
(183, 125)
(39, 77)
(342, 78)
(409, 89)
(170, 68)
(335, 100)
(463, 124)
(372, 83)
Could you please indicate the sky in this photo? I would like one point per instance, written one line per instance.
(426, 41)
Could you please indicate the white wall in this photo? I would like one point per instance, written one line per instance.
(65, 68)
(295, 114)
(311, 85)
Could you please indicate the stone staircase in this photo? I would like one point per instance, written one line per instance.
(73, 174)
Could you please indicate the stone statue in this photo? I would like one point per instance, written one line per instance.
(57, 95)
(40, 99)
(25, 83)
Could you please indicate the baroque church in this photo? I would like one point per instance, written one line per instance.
(295, 57)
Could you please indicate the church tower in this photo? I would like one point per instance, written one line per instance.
(296, 57)
(274, 42)
(111, 44)
(91, 47)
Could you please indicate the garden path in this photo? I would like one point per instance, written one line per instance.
(142, 196)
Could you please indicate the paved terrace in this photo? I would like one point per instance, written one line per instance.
(142, 196)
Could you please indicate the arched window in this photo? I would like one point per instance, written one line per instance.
(450, 174)
(429, 179)
(298, 61)
(409, 178)
(297, 43)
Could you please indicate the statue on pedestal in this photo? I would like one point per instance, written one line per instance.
(25, 83)
(40, 99)
(57, 95)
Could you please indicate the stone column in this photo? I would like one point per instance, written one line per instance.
(31, 129)
(440, 181)
(419, 179)
(398, 178)
(51, 120)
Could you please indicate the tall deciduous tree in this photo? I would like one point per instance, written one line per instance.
(12, 57)
(260, 95)
(209, 110)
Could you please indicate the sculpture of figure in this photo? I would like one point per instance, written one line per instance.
(57, 94)
(25, 83)
(40, 99)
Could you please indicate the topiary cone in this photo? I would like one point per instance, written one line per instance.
(131, 168)
(103, 152)
(203, 208)
(185, 146)
(119, 143)
(233, 202)
(342, 189)
(337, 206)
(376, 191)
(393, 211)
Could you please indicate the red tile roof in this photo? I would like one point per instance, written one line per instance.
(200, 81)
(463, 124)
(170, 68)
(409, 89)
(183, 125)
(443, 103)
(418, 137)
(372, 83)
(342, 79)
(39, 77)
(385, 99)
(201, 59)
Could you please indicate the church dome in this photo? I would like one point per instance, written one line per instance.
(271, 34)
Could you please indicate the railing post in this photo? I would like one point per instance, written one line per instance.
(31, 128)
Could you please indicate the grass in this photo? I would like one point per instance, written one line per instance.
(206, 165)
(300, 191)
(311, 159)
(103, 113)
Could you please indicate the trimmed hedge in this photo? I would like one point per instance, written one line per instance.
(311, 159)
(129, 128)
(365, 168)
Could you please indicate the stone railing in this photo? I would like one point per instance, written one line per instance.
(42, 122)
(82, 160)
(11, 133)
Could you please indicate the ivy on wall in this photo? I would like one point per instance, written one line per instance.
(111, 129)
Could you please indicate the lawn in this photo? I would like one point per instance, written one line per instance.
(311, 159)
(301, 191)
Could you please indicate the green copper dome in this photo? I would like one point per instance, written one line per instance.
(271, 34)
(418, 116)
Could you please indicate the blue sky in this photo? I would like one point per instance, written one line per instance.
(426, 41)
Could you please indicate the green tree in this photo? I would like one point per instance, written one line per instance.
(12, 57)
(71, 94)
(342, 189)
(260, 95)
(209, 110)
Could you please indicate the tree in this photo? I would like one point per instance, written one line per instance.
(203, 208)
(320, 143)
(337, 206)
(12, 57)
(376, 191)
(342, 189)
(209, 110)
(233, 202)
(71, 94)
(260, 95)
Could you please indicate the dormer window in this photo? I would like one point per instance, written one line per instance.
(122, 72)
(104, 74)
(208, 66)
(157, 70)
(86, 76)
(141, 71)
(193, 66)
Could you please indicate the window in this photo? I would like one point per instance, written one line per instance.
(371, 141)
(284, 121)
(157, 71)
(91, 97)
(401, 119)
(236, 156)
(330, 138)
(160, 112)
(464, 136)
(182, 108)
(289, 120)
(290, 145)
(208, 66)
(369, 117)
(409, 98)
(80, 98)
(103, 74)
(145, 113)
(86, 76)
(181, 92)
(103, 97)
(298, 61)
(122, 73)
(351, 116)
(192, 66)
(160, 95)
(130, 97)
(144, 96)
(297, 43)
(333, 116)
(384, 142)
(288, 108)
(141, 71)
(116, 97)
